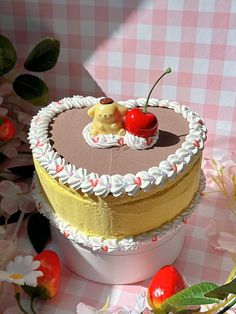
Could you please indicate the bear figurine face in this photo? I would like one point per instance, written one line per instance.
(106, 113)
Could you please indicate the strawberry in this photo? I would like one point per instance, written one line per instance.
(7, 129)
(48, 284)
(166, 282)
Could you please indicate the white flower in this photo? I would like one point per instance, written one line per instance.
(22, 271)
(15, 196)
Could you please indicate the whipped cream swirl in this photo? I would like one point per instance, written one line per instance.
(126, 244)
(116, 185)
(111, 140)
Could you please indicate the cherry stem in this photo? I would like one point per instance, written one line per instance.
(168, 70)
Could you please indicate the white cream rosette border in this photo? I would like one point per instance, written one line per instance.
(114, 245)
(117, 185)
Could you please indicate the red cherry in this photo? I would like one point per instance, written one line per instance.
(7, 129)
(166, 282)
(141, 124)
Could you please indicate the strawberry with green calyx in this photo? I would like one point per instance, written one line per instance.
(165, 283)
(7, 129)
(48, 284)
(204, 295)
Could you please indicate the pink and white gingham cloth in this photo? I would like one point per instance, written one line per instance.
(118, 49)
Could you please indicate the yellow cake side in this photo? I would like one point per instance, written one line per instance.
(117, 217)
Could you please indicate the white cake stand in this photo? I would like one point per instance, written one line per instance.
(123, 267)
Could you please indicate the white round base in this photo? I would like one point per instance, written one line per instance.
(119, 267)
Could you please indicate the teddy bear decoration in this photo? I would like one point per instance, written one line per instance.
(114, 124)
(108, 117)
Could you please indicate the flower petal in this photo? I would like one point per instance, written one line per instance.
(35, 265)
(24, 187)
(12, 310)
(28, 260)
(86, 309)
(8, 249)
(20, 271)
(10, 152)
(9, 205)
(226, 242)
(30, 280)
(8, 188)
(3, 275)
(25, 204)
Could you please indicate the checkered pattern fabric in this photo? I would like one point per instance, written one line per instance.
(118, 49)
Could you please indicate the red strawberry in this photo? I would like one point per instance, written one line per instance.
(166, 282)
(7, 129)
(48, 284)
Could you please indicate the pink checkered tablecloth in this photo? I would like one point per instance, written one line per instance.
(118, 49)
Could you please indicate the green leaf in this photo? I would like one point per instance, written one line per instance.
(7, 55)
(32, 89)
(36, 292)
(43, 56)
(194, 295)
(223, 291)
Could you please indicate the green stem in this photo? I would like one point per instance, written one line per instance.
(5, 224)
(17, 296)
(19, 222)
(168, 70)
(32, 305)
(227, 306)
(5, 172)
